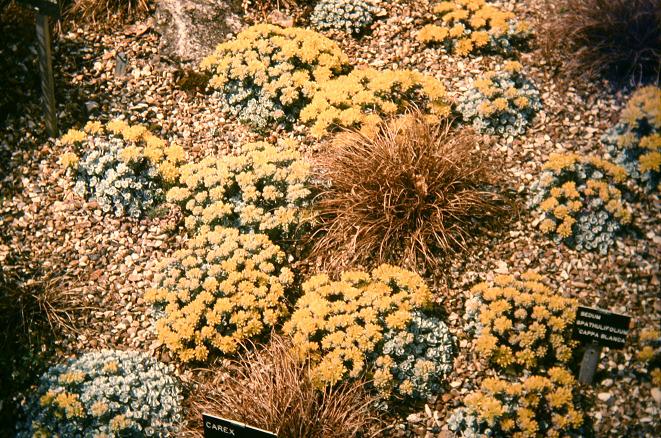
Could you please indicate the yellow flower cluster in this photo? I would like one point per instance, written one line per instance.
(565, 201)
(361, 98)
(259, 189)
(472, 25)
(282, 65)
(524, 325)
(223, 288)
(649, 353)
(537, 405)
(120, 423)
(500, 100)
(141, 146)
(559, 162)
(638, 135)
(66, 404)
(339, 324)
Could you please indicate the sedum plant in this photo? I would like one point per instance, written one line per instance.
(361, 98)
(260, 189)
(580, 202)
(635, 142)
(535, 405)
(350, 16)
(223, 288)
(501, 102)
(520, 324)
(372, 321)
(468, 26)
(416, 360)
(649, 353)
(649, 338)
(267, 74)
(104, 394)
(124, 168)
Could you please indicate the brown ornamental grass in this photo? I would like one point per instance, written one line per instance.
(411, 193)
(618, 39)
(107, 11)
(270, 388)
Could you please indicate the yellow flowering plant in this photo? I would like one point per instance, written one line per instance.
(363, 97)
(649, 353)
(343, 326)
(104, 393)
(500, 102)
(268, 73)
(260, 188)
(635, 142)
(580, 201)
(125, 168)
(463, 27)
(520, 323)
(536, 405)
(223, 288)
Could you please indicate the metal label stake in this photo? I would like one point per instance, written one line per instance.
(46, 67)
(589, 363)
(44, 9)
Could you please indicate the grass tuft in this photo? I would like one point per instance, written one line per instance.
(410, 194)
(617, 39)
(272, 389)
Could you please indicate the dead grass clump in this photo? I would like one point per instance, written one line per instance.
(264, 6)
(35, 309)
(410, 194)
(110, 11)
(29, 307)
(272, 389)
(619, 39)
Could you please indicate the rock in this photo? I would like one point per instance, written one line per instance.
(656, 395)
(414, 418)
(501, 267)
(604, 396)
(191, 29)
(280, 18)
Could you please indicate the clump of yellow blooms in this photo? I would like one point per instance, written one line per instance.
(536, 405)
(650, 353)
(66, 405)
(103, 393)
(125, 168)
(140, 146)
(522, 324)
(500, 102)
(261, 189)
(580, 200)
(635, 142)
(267, 73)
(223, 288)
(341, 324)
(467, 26)
(361, 98)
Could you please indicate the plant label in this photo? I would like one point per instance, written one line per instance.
(597, 326)
(216, 427)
